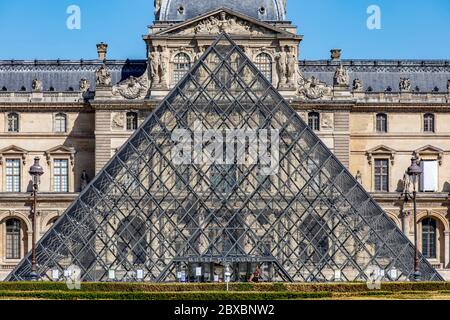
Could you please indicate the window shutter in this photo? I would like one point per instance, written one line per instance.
(429, 179)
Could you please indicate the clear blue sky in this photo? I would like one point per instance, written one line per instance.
(411, 29)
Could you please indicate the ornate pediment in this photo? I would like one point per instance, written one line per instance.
(13, 150)
(381, 150)
(58, 151)
(428, 151)
(220, 21)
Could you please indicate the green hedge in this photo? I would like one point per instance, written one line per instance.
(80, 295)
(237, 287)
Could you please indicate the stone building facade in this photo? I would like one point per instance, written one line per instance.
(74, 115)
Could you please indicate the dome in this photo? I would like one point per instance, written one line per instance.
(181, 10)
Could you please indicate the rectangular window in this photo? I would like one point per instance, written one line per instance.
(13, 175)
(12, 242)
(382, 175)
(429, 177)
(60, 175)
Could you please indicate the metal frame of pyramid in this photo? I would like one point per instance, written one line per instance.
(148, 219)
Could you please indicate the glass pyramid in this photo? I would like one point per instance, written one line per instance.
(278, 198)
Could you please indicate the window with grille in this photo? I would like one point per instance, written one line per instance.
(13, 167)
(382, 122)
(182, 64)
(61, 175)
(428, 122)
(13, 122)
(264, 63)
(60, 123)
(132, 121)
(314, 121)
(382, 175)
(429, 238)
(13, 239)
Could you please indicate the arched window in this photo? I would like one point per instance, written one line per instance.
(60, 123)
(314, 121)
(429, 238)
(264, 63)
(182, 64)
(382, 124)
(13, 247)
(132, 121)
(428, 122)
(13, 122)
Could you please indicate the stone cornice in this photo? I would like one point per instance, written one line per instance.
(46, 106)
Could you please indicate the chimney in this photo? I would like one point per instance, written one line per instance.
(102, 49)
(336, 54)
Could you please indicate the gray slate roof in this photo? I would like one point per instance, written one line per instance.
(377, 74)
(273, 9)
(382, 74)
(64, 74)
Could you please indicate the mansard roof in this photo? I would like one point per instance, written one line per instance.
(62, 75)
(375, 74)
(379, 75)
(182, 10)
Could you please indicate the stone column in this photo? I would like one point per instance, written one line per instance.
(447, 249)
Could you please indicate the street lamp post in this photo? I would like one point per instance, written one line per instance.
(36, 172)
(414, 172)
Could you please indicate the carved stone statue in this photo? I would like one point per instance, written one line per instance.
(358, 177)
(291, 65)
(164, 66)
(341, 77)
(312, 88)
(406, 183)
(132, 88)
(84, 180)
(405, 84)
(448, 86)
(84, 85)
(358, 85)
(103, 76)
(282, 60)
(37, 85)
(154, 68)
(159, 61)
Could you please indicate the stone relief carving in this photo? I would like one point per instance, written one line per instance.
(327, 121)
(103, 76)
(84, 85)
(132, 87)
(448, 85)
(405, 84)
(312, 88)
(159, 61)
(118, 121)
(341, 77)
(37, 85)
(223, 23)
(358, 85)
